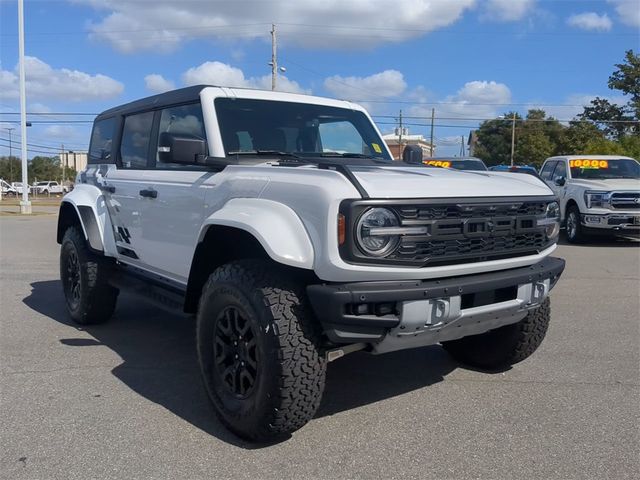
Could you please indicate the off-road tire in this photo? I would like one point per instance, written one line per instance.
(575, 231)
(95, 299)
(290, 369)
(504, 346)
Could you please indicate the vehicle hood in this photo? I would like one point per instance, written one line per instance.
(608, 185)
(416, 182)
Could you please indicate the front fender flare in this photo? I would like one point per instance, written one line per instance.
(276, 226)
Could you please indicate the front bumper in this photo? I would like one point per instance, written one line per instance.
(612, 222)
(375, 311)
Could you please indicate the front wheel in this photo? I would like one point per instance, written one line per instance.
(258, 348)
(575, 233)
(504, 346)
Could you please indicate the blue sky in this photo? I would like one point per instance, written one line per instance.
(468, 59)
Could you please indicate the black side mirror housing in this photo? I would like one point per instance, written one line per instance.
(180, 148)
(412, 154)
(560, 181)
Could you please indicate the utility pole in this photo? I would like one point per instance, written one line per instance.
(462, 152)
(433, 117)
(25, 204)
(10, 130)
(64, 165)
(400, 136)
(513, 136)
(274, 57)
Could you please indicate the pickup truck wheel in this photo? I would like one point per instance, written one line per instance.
(575, 233)
(258, 348)
(504, 346)
(89, 298)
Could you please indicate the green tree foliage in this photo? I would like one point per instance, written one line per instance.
(626, 79)
(39, 169)
(609, 117)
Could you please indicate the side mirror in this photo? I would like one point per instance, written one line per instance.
(412, 154)
(560, 181)
(180, 148)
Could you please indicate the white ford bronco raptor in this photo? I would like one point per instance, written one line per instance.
(598, 194)
(282, 222)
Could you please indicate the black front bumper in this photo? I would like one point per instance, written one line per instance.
(333, 303)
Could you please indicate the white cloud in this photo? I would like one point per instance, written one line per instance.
(590, 21)
(507, 10)
(44, 81)
(158, 84)
(132, 25)
(476, 99)
(387, 84)
(218, 73)
(628, 11)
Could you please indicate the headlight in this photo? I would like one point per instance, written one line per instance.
(375, 232)
(551, 220)
(596, 199)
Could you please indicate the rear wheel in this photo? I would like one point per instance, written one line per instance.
(89, 298)
(504, 346)
(258, 347)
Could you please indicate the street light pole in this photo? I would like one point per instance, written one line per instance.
(25, 204)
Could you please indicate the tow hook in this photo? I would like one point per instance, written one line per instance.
(337, 353)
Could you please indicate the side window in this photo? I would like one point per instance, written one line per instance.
(134, 149)
(184, 120)
(560, 171)
(341, 137)
(547, 170)
(101, 139)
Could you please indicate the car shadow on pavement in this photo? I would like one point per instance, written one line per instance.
(602, 241)
(159, 362)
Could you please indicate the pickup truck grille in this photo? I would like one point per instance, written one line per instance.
(625, 200)
(461, 232)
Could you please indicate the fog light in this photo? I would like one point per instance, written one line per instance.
(592, 218)
(552, 230)
(362, 309)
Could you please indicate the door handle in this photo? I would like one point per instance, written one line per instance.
(149, 193)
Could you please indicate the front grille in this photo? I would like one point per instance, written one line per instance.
(467, 231)
(625, 200)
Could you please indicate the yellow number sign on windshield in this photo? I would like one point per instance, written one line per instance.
(438, 163)
(586, 163)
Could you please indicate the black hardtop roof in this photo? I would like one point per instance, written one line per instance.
(181, 95)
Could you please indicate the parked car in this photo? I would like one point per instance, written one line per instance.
(599, 194)
(17, 186)
(515, 169)
(457, 163)
(7, 189)
(282, 222)
(50, 187)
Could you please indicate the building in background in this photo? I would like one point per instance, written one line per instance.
(73, 160)
(393, 142)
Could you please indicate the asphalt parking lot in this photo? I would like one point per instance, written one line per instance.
(124, 400)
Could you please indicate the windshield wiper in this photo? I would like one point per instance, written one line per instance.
(257, 153)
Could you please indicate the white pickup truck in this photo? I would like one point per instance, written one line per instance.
(282, 222)
(49, 188)
(598, 194)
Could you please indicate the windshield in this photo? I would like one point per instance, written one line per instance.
(42, 183)
(604, 168)
(302, 129)
(468, 165)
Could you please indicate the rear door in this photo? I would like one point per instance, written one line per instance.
(125, 184)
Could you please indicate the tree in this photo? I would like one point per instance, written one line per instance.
(494, 140)
(10, 169)
(576, 138)
(627, 80)
(609, 117)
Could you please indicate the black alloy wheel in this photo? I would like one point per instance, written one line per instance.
(235, 352)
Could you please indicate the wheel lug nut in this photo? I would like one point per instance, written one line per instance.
(242, 364)
(236, 355)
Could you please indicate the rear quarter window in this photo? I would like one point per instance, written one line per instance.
(101, 141)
